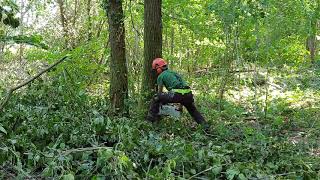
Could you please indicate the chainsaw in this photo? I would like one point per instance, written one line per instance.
(172, 109)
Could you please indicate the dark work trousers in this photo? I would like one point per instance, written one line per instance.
(170, 97)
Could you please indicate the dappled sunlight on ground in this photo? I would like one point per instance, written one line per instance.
(278, 88)
(99, 89)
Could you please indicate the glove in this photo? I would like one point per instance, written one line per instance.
(179, 107)
(155, 97)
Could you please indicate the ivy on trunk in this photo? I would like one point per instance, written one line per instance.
(152, 43)
(118, 64)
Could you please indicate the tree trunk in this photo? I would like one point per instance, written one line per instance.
(22, 12)
(152, 43)
(74, 37)
(118, 64)
(311, 47)
(172, 41)
(2, 46)
(181, 44)
(311, 42)
(75, 12)
(63, 22)
(165, 40)
(89, 20)
(136, 66)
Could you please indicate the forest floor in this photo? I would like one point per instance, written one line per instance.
(265, 128)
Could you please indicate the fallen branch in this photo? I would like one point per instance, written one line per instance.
(5, 170)
(201, 172)
(275, 85)
(11, 90)
(285, 174)
(207, 71)
(85, 149)
(205, 171)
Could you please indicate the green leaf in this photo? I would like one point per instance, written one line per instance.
(34, 40)
(217, 170)
(2, 129)
(97, 177)
(124, 160)
(242, 177)
(193, 171)
(231, 173)
(68, 177)
(103, 156)
(11, 21)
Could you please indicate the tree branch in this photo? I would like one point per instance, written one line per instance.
(85, 149)
(133, 26)
(11, 90)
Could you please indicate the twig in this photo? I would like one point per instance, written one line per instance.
(6, 172)
(207, 71)
(201, 178)
(285, 174)
(201, 172)
(205, 171)
(11, 90)
(149, 166)
(208, 134)
(84, 149)
(133, 26)
(275, 85)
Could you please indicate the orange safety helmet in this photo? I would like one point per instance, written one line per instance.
(159, 65)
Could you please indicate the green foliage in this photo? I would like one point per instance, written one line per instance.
(2, 129)
(34, 40)
(57, 130)
(8, 9)
(266, 126)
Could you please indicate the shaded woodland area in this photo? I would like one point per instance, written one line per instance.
(76, 82)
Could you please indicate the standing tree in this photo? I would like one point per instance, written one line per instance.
(152, 42)
(118, 64)
(89, 21)
(313, 22)
(64, 22)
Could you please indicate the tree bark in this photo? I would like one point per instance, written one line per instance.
(165, 40)
(152, 43)
(22, 13)
(63, 23)
(172, 41)
(311, 47)
(118, 64)
(311, 42)
(2, 45)
(75, 12)
(89, 21)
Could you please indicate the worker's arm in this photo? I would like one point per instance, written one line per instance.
(160, 89)
(179, 107)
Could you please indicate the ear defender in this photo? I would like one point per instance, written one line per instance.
(159, 70)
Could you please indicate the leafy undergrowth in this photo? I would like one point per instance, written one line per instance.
(56, 130)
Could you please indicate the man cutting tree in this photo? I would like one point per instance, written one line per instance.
(178, 92)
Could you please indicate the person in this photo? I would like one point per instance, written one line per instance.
(178, 92)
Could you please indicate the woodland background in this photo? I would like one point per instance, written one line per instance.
(253, 66)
